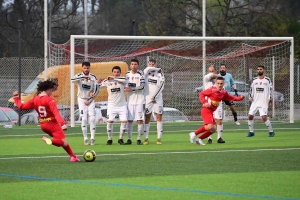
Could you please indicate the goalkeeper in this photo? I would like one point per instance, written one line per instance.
(228, 83)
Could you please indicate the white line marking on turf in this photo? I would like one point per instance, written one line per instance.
(157, 153)
(175, 131)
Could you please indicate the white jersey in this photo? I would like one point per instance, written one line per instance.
(209, 80)
(137, 83)
(85, 86)
(115, 89)
(154, 84)
(261, 92)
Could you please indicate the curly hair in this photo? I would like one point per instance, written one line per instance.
(46, 85)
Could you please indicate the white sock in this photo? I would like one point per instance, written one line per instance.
(122, 130)
(110, 129)
(140, 130)
(210, 137)
(268, 124)
(251, 125)
(92, 127)
(220, 130)
(146, 130)
(129, 129)
(84, 131)
(159, 126)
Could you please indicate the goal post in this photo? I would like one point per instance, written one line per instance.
(183, 58)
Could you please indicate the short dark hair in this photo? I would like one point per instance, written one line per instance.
(222, 64)
(220, 78)
(116, 67)
(260, 66)
(46, 85)
(152, 60)
(86, 63)
(135, 60)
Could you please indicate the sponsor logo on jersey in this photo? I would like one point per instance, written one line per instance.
(115, 90)
(152, 81)
(215, 103)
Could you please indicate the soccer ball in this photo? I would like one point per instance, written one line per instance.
(89, 155)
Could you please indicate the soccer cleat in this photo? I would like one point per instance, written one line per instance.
(200, 142)
(139, 142)
(93, 141)
(146, 141)
(74, 159)
(86, 142)
(271, 134)
(47, 140)
(192, 137)
(109, 142)
(158, 141)
(120, 141)
(220, 140)
(209, 141)
(128, 142)
(237, 123)
(250, 134)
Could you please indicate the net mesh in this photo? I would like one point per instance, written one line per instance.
(182, 60)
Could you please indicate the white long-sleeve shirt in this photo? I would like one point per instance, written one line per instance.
(115, 90)
(85, 86)
(209, 80)
(136, 82)
(154, 83)
(261, 91)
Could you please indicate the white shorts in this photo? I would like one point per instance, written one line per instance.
(113, 111)
(136, 112)
(151, 107)
(86, 110)
(218, 114)
(254, 109)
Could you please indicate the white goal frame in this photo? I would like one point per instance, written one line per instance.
(204, 39)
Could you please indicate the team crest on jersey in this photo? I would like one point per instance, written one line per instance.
(260, 83)
(132, 78)
(116, 83)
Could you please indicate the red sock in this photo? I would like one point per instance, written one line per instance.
(57, 142)
(205, 135)
(69, 150)
(200, 130)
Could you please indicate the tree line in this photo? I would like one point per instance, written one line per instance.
(271, 18)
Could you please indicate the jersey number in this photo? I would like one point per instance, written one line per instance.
(42, 111)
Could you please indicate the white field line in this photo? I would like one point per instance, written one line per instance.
(158, 153)
(175, 131)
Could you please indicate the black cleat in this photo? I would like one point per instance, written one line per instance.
(109, 142)
(139, 142)
(209, 141)
(128, 142)
(220, 140)
(120, 141)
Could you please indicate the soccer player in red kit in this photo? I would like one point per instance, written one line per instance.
(50, 119)
(211, 98)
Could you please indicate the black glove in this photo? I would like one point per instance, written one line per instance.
(236, 94)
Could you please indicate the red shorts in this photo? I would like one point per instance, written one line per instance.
(53, 129)
(208, 116)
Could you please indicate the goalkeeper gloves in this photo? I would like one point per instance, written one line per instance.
(236, 94)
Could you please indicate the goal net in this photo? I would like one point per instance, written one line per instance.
(184, 66)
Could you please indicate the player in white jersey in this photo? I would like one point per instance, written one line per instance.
(260, 96)
(135, 101)
(154, 85)
(116, 104)
(209, 81)
(228, 83)
(86, 83)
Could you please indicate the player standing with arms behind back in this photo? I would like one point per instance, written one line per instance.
(260, 96)
(86, 83)
(154, 85)
(135, 102)
(50, 119)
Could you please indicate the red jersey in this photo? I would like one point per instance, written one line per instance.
(45, 107)
(214, 97)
